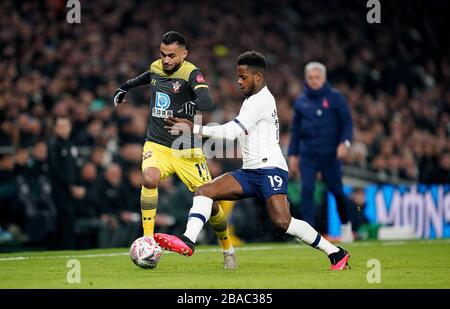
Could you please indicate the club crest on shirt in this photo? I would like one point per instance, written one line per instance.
(200, 79)
(176, 87)
(325, 103)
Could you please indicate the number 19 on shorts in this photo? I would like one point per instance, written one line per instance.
(275, 181)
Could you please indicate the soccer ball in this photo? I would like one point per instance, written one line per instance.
(145, 252)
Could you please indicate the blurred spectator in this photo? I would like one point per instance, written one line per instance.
(8, 191)
(122, 223)
(356, 209)
(63, 172)
(87, 209)
(175, 201)
(41, 187)
(443, 171)
(133, 185)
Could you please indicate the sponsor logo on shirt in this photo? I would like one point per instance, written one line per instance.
(162, 103)
(161, 113)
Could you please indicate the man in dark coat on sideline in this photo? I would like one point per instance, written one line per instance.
(321, 135)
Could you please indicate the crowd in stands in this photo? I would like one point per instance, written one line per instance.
(395, 76)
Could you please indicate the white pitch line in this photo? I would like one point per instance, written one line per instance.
(18, 258)
(15, 258)
(393, 243)
(260, 248)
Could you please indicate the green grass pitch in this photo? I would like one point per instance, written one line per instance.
(405, 264)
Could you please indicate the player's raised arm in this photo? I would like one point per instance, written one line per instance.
(143, 79)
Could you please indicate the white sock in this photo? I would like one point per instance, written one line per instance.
(230, 251)
(198, 216)
(346, 228)
(306, 233)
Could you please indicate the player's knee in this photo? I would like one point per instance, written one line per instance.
(281, 224)
(204, 191)
(151, 179)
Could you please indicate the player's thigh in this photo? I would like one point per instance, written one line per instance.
(156, 157)
(193, 172)
(224, 187)
(273, 188)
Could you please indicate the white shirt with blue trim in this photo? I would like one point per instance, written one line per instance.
(257, 129)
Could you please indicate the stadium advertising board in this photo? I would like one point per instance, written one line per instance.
(424, 207)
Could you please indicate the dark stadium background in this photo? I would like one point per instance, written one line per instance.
(395, 76)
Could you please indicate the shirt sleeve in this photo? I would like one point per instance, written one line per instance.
(143, 79)
(251, 112)
(249, 115)
(201, 90)
(230, 130)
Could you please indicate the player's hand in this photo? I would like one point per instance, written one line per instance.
(189, 108)
(342, 151)
(176, 125)
(119, 95)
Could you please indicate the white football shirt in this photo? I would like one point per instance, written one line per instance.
(259, 140)
(257, 129)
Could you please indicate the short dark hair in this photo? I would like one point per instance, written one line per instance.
(174, 37)
(254, 60)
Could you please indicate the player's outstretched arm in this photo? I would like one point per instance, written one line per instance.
(121, 92)
(230, 130)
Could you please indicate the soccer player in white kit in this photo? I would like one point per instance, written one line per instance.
(264, 173)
